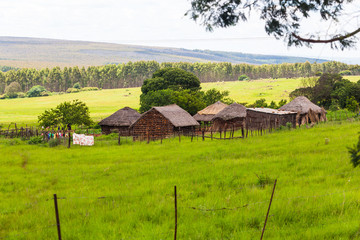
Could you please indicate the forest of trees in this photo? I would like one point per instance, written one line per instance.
(133, 74)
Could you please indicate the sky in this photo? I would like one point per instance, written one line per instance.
(157, 23)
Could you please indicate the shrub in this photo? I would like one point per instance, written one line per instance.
(54, 142)
(36, 140)
(72, 90)
(12, 90)
(21, 95)
(264, 180)
(77, 86)
(85, 89)
(355, 154)
(36, 91)
(43, 94)
(352, 105)
(345, 73)
(4, 96)
(243, 77)
(288, 125)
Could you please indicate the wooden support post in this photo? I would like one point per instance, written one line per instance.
(57, 217)
(119, 138)
(267, 214)
(179, 135)
(203, 134)
(211, 135)
(242, 132)
(69, 139)
(175, 195)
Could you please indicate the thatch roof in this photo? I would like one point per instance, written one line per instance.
(210, 111)
(121, 118)
(232, 111)
(301, 105)
(176, 115)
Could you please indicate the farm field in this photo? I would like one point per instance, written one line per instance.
(316, 197)
(105, 102)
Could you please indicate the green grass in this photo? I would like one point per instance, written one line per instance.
(104, 103)
(317, 194)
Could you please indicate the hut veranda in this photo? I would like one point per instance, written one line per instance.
(120, 121)
(160, 122)
(307, 112)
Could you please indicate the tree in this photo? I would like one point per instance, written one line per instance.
(173, 78)
(36, 91)
(282, 18)
(12, 90)
(65, 115)
(213, 95)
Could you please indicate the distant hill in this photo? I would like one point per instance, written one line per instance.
(40, 52)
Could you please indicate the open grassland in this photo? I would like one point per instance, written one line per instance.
(317, 194)
(105, 102)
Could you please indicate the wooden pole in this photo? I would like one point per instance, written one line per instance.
(57, 217)
(175, 195)
(203, 134)
(267, 214)
(69, 139)
(119, 138)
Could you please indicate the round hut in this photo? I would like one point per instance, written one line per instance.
(209, 112)
(120, 121)
(307, 112)
(232, 117)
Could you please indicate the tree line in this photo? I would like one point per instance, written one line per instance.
(133, 74)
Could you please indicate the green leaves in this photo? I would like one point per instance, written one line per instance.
(355, 154)
(66, 114)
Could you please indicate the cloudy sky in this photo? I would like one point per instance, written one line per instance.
(154, 23)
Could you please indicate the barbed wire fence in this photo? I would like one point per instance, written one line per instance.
(174, 197)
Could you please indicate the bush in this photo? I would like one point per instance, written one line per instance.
(36, 91)
(36, 140)
(54, 142)
(77, 86)
(43, 94)
(345, 73)
(21, 95)
(12, 90)
(352, 105)
(4, 96)
(243, 77)
(72, 90)
(85, 89)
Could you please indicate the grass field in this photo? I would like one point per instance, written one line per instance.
(317, 194)
(105, 102)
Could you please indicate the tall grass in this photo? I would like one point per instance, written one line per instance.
(317, 195)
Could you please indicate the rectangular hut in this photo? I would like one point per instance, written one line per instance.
(120, 121)
(206, 115)
(160, 122)
(267, 118)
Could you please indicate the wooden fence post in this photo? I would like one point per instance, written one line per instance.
(119, 138)
(267, 214)
(203, 134)
(57, 217)
(175, 195)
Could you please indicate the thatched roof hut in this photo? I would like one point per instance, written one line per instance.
(307, 111)
(233, 117)
(120, 121)
(160, 122)
(207, 114)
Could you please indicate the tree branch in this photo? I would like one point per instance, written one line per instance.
(340, 38)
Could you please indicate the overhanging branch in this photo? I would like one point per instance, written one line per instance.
(339, 38)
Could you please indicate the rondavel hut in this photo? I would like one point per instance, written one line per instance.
(230, 118)
(307, 112)
(120, 121)
(160, 122)
(206, 115)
